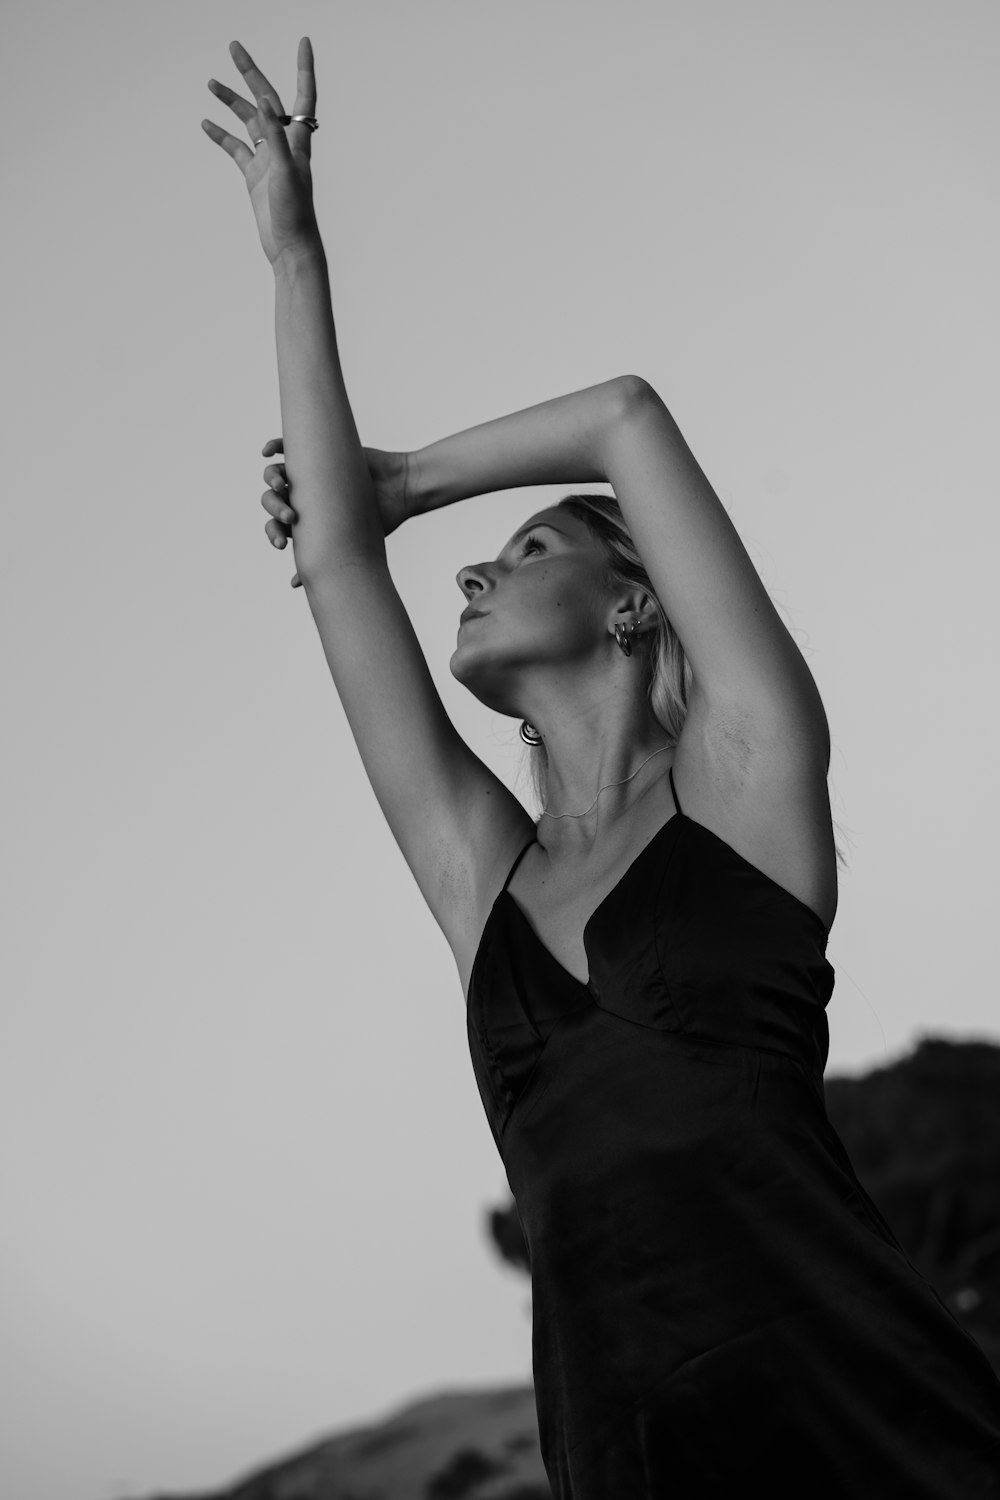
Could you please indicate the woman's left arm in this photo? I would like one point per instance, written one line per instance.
(748, 667)
(748, 671)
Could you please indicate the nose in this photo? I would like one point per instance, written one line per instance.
(474, 579)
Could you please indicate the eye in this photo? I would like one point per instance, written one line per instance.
(532, 544)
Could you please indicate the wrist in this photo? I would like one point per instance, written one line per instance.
(419, 487)
(304, 255)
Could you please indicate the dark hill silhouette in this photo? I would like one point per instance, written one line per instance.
(924, 1136)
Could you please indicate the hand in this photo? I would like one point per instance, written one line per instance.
(277, 172)
(393, 479)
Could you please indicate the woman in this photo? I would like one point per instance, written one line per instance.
(717, 1302)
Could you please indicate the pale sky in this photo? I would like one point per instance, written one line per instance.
(245, 1163)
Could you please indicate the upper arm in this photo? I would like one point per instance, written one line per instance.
(454, 820)
(742, 656)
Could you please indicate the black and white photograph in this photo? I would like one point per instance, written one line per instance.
(500, 623)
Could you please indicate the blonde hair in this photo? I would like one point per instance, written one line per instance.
(668, 674)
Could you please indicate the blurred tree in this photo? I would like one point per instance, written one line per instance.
(923, 1134)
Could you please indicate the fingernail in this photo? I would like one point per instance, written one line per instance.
(288, 516)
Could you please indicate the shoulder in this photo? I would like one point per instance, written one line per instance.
(763, 790)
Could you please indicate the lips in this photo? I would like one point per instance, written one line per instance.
(471, 614)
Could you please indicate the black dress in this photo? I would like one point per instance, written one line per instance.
(718, 1305)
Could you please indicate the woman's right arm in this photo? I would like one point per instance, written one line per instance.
(457, 825)
(338, 523)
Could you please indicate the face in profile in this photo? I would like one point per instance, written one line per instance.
(544, 605)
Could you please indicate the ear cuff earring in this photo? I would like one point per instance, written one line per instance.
(624, 633)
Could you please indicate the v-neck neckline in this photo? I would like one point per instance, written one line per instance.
(585, 984)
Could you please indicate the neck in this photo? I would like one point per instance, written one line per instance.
(606, 787)
(599, 767)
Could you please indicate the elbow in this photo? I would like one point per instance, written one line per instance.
(631, 393)
(631, 402)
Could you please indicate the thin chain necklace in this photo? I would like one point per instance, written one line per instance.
(546, 814)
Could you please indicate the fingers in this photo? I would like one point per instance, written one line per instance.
(259, 86)
(276, 533)
(274, 132)
(244, 111)
(299, 134)
(276, 476)
(238, 150)
(264, 92)
(305, 82)
(275, 502)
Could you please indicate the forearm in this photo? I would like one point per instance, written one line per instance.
(327, 471)
(557, 442)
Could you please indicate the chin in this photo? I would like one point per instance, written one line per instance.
(455, 666)
(473, 676)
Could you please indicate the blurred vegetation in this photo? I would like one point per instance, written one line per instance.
(923, 1134)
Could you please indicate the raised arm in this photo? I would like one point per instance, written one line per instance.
(457, 825)
(563, 441)
(755, 750)
(742, 655)
(743, 658)
(338, 518)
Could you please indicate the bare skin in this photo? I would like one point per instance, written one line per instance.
(751, 762)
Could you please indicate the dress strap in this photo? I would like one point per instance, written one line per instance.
(673, 790)
(516, 863)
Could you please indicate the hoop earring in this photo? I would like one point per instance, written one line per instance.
(529, 734)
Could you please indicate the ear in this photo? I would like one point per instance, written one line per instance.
(635, 609)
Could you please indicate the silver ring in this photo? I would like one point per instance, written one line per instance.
(309, 120)
(260, 142)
